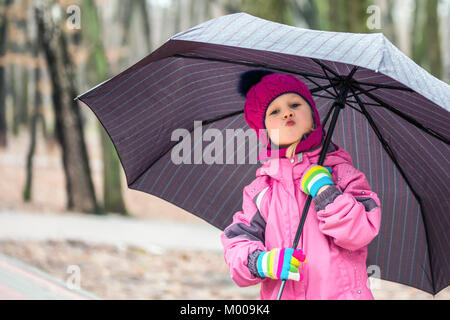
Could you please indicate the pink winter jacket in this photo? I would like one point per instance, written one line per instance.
(341, 221)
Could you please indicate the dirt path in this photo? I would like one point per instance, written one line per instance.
(152, 235)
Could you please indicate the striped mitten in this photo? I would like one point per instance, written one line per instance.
(281, 264)
(314, 178)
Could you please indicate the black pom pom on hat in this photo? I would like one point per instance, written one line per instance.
(250, 78)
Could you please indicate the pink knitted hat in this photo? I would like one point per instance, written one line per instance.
(261, 87)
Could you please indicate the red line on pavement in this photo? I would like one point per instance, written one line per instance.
(10, 294)
(41, 281)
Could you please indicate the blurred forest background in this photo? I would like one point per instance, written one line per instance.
(54, 154)
(56, 158)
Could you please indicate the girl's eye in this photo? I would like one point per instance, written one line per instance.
(295, 105)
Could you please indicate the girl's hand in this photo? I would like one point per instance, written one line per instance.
(281, 264)
(314, 178)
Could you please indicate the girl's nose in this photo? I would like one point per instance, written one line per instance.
(288, 114)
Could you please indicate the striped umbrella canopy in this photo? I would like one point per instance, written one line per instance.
(394, 125)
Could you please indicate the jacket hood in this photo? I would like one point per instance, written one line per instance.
(283, 169)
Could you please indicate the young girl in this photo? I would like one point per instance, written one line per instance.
(330, 260)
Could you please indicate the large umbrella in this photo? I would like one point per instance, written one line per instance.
(393, 121)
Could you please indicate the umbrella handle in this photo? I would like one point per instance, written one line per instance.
(337, 107)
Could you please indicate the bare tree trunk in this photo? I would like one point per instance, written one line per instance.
(389, 22)
(124, 17)
(27, 196)
(348, 15)
(307, 11)
(323, 9)
(25, 50)
(35, 118)
(229, 6)
(335, 15)
(177, 9)
(80, 189)
(23, 113)
(433, 39)
(193, 17)
(112, 186)
(273, 10)
(426, 44)
(142, 6)
(356, 15)
(20, 49)
(14, 90)
(209, 11)
(3, 37)
(417, 36)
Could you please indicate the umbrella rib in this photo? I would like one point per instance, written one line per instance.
(327, 116)
(366, 103)
(322, 96)
(353, 95)
(322, 88)
(376, 85)
(252, 64)
(404, 116)
(353, 107)
(383, 142)
(331, 109)
(313, 90)
(329, 79)
(384, 86)
(390, 153)
(260, 65)
(326, 67)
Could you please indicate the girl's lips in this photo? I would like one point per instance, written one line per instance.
(290, 123)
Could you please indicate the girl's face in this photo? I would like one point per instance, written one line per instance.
(281, 112)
